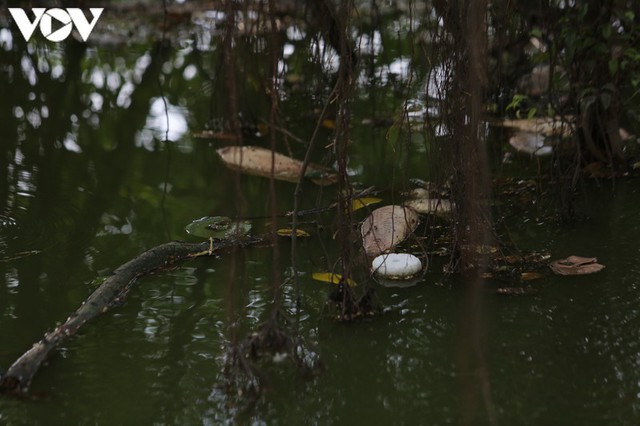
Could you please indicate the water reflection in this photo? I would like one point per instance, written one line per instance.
(85, 168)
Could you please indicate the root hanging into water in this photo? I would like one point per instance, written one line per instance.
(346, 306)
(244, 377)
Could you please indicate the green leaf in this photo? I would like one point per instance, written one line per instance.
(218, 227)
(516, 101)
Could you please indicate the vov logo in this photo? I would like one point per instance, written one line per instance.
(66, 20)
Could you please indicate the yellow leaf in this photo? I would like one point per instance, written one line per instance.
(359, 203)
(329, 124)
(288, 232)
(328, 277)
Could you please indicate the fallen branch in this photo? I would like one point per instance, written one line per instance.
(110, 293)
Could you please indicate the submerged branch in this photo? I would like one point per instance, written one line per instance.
(111, 292)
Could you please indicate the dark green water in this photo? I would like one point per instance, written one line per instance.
(88, 182)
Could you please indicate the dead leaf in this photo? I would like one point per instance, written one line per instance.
(359, 203)
(288, 232)
(530, 276)
(576, 265)
(257, 161)
(328, 123)
(386, 227)
(435, 206)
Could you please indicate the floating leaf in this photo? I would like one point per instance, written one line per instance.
(576, 265)
(359, 203)
(257, 161)
(435, 206)
(530, 276)
(386, 227)
(328, 277)
(328, 124)
(288, 232)
(218, 227)
(485, 249)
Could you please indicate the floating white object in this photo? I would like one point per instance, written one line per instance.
(396, 266)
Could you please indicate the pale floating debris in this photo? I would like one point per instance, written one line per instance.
(547, 126)
(257, 161)
(417, 193)
(396, 266)
(516, 291)
(576, 265)
(625, 135)
(530, 143)
(387, 227)
(437, 206)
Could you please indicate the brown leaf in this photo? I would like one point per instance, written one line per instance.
(328, 123)
(257, 161)
(576, 265)
(530, 276)
(386, 227)
(288, 232)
